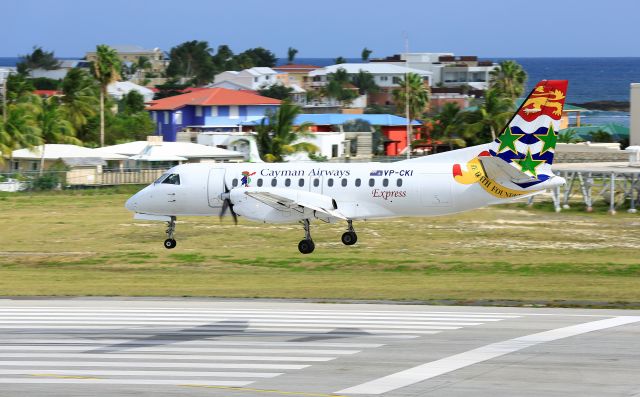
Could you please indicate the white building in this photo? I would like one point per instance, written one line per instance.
(119, 89)
(386, 75)
(251, 79)
(447, 69)
(634, 134)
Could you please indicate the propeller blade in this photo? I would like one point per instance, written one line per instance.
(233, 214)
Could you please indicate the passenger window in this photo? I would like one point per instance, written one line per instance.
(173, 179)
(316, 182)
(372, 182)
(385, 182)
(234, 183)
(287, 182)
(260, 182)
(399, 182)
(358, 182)
(274, 182)
(301, 182)
(330, 182)
(344, 182)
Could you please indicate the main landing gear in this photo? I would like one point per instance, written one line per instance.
(170, 242)
(349, 237)
(306, 246)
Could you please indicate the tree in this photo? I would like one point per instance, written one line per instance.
(17, 86)
(80, 99)
(20, 129)
(492, 115)
(411, 97)
(291, 54)
(54, 127)
(509, 79)
(365, 54)
(260, 57)
(192, 60)
(337, 86)
(340, 60)
(132, 102)
(106, 69)
(38, 59)
(277, 91)
(568, 136)
(448, 125)
(124, 127)
(276, 136)
(365, 82)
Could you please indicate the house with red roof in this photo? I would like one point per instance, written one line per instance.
(208, 110)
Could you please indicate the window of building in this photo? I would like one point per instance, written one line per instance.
(178, 117)
(330, 182)
(358, 182)
(166, 117)
(399, 182)
(384, 78)
(396, 80)
(260, 182)
(334, 151)
(316, 182)
(234, 112)
(154, 116)
(214, 111)
(372, 182)
(16, 165)
(274, 182)
(385, 182)
(198, 111)
(255, 79)
(266, 77)
(173, 179)
(344, 182)
(234, 183)
(301, 182)
(287, 182)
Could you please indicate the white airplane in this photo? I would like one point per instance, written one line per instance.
(517, 164)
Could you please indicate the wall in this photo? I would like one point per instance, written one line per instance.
(395, 133)
(635, 114)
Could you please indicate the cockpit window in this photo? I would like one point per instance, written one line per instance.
(173, 179)
(159, 180)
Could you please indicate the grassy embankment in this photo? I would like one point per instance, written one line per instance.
(86, 243)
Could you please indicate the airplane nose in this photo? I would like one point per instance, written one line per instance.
(132, 203)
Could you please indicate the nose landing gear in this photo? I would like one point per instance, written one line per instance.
(349, 237)
(170, 242)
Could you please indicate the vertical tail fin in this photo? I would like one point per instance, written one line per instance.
(529, 140)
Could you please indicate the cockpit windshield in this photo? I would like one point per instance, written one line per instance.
(170, 179)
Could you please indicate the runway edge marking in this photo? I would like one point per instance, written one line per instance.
(439, 367)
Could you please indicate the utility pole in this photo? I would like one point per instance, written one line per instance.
(4, 74)
(406, 94)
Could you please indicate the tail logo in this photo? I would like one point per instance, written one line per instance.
(476, 174)
(542, 101)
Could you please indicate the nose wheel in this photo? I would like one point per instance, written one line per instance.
(307, 245)
(170, 242)
(349, 237)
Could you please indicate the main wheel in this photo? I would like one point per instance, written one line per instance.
(349, 238)
(306, 246)
(170, 243)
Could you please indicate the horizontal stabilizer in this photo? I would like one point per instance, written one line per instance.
(501, 171)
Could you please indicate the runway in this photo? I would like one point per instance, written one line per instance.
(199, 347)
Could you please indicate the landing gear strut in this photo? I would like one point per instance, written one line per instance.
(170, 242)
(349, 237)
(306, 246)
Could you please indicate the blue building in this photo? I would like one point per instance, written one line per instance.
(208, 109)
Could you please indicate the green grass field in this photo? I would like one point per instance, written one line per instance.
(86, 243)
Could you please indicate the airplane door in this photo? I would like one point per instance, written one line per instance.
(315, 184)
(215, 187)
(435, 190)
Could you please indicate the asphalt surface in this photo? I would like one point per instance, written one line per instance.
(151, 347)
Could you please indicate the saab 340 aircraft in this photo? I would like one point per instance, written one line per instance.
(517, 164)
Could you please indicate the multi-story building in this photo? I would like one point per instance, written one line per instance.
(133, 53)
(298, 73)
(248, 79)
(208, 109)
(386, 76)
(447, 69)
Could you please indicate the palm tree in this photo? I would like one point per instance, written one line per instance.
(340, 60)
(413, 88)
(493, 114)
(275, 134)
(365, 54)
(106, 69)
(80, 100)
(365, 82)
(508, 78)
(20, 129)
(54, 127)
(448, 125)
(291, 54)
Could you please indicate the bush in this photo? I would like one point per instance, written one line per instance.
(47, 181)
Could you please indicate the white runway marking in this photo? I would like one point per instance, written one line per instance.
(200, 343)
(153, 356)
(165, 374)
(169, 348)
(97, 381)
(452, 363)
(154, 364)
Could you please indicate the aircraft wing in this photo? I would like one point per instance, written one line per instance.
(501, 171)
(298, 201)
